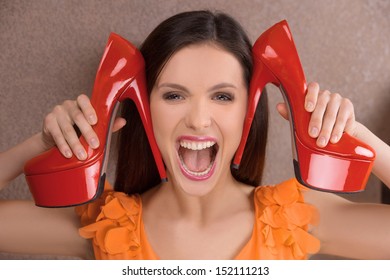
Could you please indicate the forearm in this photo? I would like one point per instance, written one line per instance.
(28, 229)
(356, 231)
(13, 160)
(381, 167)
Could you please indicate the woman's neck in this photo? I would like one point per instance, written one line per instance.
(227, 195)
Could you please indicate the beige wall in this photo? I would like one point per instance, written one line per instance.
(50, 51)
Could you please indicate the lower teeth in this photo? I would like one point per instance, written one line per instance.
(199, 174)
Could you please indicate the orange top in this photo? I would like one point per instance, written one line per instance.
(114, 223)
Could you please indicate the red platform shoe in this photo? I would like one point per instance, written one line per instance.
(56, 181)
(341, 167)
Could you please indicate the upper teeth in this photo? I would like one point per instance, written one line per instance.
(196, 145)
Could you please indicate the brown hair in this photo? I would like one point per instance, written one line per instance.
(136, 169)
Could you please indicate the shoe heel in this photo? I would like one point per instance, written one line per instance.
(137, 92)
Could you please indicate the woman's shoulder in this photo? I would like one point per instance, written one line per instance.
(283, 193)
(113, 223)
(281, 210)
(110, 205)
(289, 195)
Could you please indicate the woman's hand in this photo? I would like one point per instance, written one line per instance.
(331, 115)
(58, 127)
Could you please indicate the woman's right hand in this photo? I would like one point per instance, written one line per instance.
(58, 127)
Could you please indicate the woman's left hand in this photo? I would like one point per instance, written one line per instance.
(331, 115)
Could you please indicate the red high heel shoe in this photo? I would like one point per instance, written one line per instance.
(56, 181)
(341, 167)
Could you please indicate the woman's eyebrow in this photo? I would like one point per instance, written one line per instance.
(222, 85)
(173, 85)
(183, 88)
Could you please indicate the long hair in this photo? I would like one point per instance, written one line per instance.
(136, 169)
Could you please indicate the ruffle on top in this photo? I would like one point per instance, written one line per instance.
(285, 219)
(114, 223)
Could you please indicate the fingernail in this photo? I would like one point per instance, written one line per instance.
(68, 154)
(322, 141)
(92, 119)
(309, 106)
(94, 143)
(314, 132)
(81, 155)
(334, 139)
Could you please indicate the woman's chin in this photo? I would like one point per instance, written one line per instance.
(197, 189)
(193, 185)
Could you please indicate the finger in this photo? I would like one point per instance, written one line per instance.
(317, 116)
(52, 131)
(70, 135)
(345, 120)
(118, 124)
(350, 126)
(60, 142)
(311, 97)
(282, 109)
(78, 117)
(86, 107)
(329, 120)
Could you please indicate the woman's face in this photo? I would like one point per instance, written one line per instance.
(198, 106)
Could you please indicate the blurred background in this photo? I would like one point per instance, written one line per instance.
(50, 51)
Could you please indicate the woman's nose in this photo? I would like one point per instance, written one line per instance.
(198, 116)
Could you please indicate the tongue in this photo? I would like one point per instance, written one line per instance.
(196, 161)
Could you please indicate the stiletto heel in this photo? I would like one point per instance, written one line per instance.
(341, 167)
(56, 181)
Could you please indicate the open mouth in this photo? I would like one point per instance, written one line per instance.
(197, 158)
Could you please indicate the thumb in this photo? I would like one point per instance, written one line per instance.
(282, 109)
(118, 124)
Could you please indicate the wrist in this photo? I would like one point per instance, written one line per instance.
(38, 143)
(41, 142)
(360, 131)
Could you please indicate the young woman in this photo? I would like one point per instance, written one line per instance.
(198, 79)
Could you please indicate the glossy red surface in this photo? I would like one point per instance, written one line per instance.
(276, 61)
(56, 181)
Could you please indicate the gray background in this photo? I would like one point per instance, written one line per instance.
(50, 51)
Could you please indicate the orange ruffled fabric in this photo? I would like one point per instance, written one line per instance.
(282, 221)
(115, 231)
(114, 223)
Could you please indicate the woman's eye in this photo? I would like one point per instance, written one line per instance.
(172, 96)
(223, 97)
